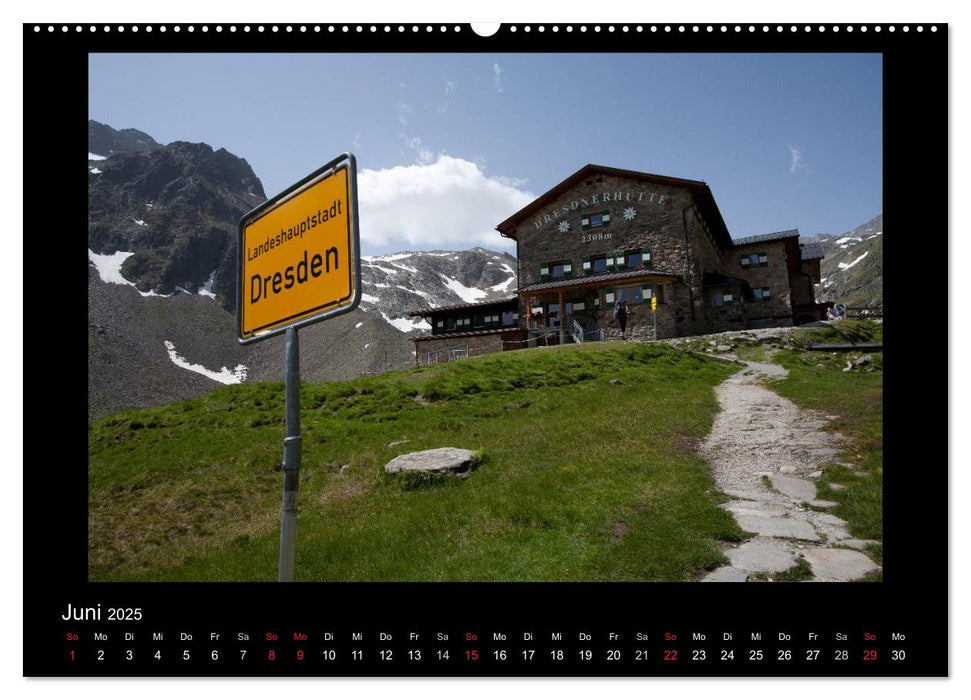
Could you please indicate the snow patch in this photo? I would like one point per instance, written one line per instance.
(847, 239)
(407, 268)
(95, 171)
(109, 266)
(503, 286)
(358, 325)
(109, 269)
(847, 266)
(367, 345)
(392, 257)
(385, 270)
(406, 325)
(95, 156)
(424, 295)
(223, 376)
(467, 294)
(381, 285)
(206, 288)
(140, 222)
(369, 299)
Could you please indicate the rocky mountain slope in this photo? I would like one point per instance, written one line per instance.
(852, 271)
(161, 284)
(103, 141)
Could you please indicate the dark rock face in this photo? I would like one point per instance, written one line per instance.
(176, 208)
(105, 141)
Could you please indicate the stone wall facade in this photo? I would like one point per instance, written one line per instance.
(661, 219)
(774, 276)
(430, 350)
(689, 259)
(556, 233)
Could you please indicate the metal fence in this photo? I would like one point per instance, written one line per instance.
(538, 338)
(864, 312)
(458, 352)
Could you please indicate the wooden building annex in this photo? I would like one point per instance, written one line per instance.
(604, 235)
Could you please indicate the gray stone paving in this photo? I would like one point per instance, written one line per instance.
(796, 489)
(767, 556)
(766, 453)
(839, 564)
(726, 574)
(789, 528)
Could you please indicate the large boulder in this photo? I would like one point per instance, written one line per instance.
(450, 461)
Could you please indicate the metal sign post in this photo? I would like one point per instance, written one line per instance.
(299, 262)
(292, 456)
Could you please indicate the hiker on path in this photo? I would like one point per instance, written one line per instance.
(620, 313)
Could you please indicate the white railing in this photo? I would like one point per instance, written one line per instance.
(577, 332)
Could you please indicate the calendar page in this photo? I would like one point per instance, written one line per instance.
(438, 350)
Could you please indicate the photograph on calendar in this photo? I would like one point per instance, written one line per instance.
(485, 317)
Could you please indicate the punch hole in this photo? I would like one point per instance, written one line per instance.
(485, 29)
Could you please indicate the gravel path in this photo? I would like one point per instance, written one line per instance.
(759, 437)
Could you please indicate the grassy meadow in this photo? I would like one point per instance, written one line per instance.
(582, 479)
(817, 381)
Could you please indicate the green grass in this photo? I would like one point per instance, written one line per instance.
(752, 352)
(802, 571)
(847, 331)
(816, 381)
(581, 480)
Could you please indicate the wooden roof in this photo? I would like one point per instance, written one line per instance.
(703, 197)
(465, 307)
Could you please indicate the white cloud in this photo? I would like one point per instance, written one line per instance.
(404, 111)
(450, 204)
(497, 77)
(445, 101)
(795, 162)
(425, 155)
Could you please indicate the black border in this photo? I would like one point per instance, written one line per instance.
(912, 598)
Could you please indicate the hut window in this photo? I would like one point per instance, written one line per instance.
(755, 260)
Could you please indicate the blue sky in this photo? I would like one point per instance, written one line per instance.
(450, 145)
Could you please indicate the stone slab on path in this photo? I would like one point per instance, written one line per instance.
(452, 461)
(796, 489)
(789, 528)
(829, 525)
(839, 564)
(726, 574)
(768, 510)
(762, 557)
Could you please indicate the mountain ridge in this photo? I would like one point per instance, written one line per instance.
(162, 227)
